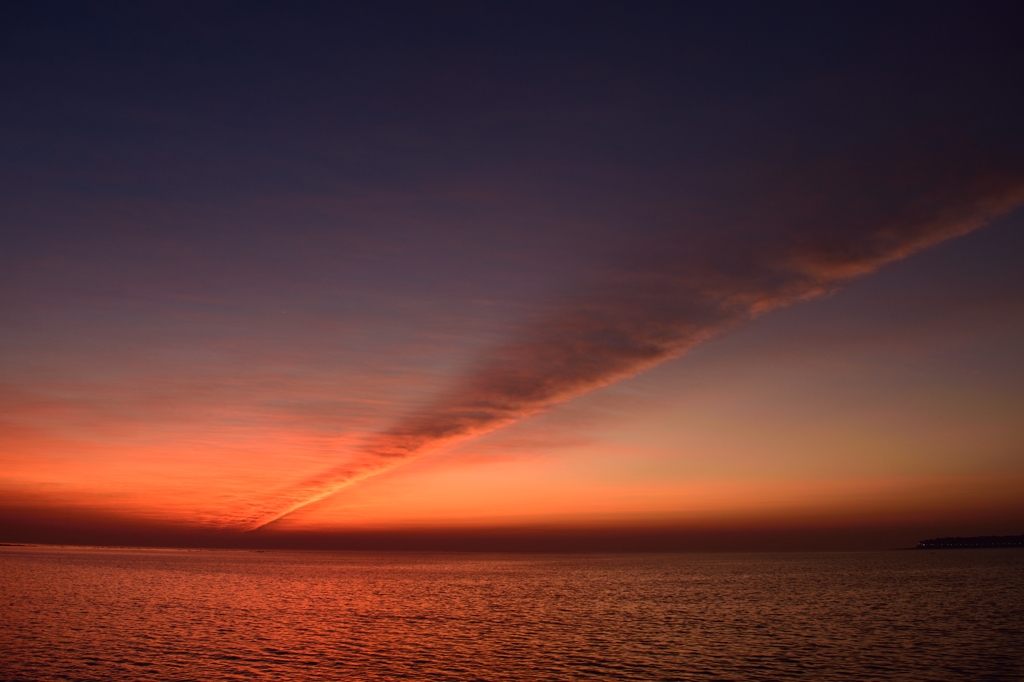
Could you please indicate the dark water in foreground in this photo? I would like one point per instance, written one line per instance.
(180, 615)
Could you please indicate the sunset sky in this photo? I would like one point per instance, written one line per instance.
(412, 267)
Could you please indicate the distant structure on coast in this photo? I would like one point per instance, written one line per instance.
(969, 543)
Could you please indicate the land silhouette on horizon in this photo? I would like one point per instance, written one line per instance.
(978, 542)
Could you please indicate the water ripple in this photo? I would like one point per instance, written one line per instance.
(82, 614)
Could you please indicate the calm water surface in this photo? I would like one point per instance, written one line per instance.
(192, 615)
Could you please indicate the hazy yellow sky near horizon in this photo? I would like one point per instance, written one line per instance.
(894, 400)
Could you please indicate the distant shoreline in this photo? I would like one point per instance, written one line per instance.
(985, 541)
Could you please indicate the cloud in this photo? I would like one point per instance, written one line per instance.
(784, 239)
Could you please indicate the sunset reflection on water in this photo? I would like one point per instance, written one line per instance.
(101, 614)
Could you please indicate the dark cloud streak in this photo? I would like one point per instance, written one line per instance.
(652, 311)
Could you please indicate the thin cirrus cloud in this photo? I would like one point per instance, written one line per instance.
(804, 241)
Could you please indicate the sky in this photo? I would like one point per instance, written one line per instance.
(597, 275)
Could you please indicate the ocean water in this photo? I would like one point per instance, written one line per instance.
(103, 614)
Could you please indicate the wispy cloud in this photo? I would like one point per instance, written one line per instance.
(794, 240)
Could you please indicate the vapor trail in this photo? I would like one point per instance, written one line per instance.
(790, 245)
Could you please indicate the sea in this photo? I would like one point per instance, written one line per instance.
(155, 614)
